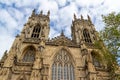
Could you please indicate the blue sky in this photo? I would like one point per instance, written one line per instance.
(14, 14)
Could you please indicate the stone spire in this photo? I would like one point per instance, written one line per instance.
(62, 33)
(33, 13)
(48, 13)
(41, 12)
(81, 17)
(89, 19)
(75, 16)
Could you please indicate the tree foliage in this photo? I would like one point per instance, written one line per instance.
(111, 38)
(111, 33)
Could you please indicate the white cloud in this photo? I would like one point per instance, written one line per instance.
(61, 3)
(88, 3)
(67, 14)
(49, 5)
(112, 5)
(53, 33)
(9, 22)
(14, 13)
(6, 43)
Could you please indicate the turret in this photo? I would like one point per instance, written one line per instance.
(82, 30)
(33, 13)
(75, 17)
(37, 26)
(89, 19)
(81, 17)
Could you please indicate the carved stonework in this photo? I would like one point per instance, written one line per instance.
(22, 76)
(33, 56)
(31, 40)
(27, 32)
(35, 75)
(62, 41)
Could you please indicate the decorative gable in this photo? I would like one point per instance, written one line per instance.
(62, 41)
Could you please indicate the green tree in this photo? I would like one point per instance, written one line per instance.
(111, 38)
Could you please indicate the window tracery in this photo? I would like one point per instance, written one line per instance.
(29, 55)
(62, 68)
(86, 36)
(95, 60)
(36, 32)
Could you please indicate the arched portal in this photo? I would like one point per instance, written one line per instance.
(62, 67)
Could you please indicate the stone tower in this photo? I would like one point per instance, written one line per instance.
(83, 31)
(34, 57)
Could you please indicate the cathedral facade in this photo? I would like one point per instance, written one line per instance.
(33, 56)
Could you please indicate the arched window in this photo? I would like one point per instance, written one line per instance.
(96, 62)
(29, 55)
(95, 59)
(62, 68)
(86, 36)
(36, 32)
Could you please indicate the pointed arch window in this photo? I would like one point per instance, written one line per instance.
(96, 62)
(36, 32)
(95, 59)
(62, 68)
(29, 55)
(86, 36)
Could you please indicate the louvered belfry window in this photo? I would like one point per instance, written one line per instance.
(86, 36)
(36, 32)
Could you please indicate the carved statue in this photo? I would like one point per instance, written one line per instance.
(17, 47)
(27, 32)
(37, 61)
(15, 59)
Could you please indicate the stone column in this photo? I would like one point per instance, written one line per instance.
(36, 75)
(91, 69)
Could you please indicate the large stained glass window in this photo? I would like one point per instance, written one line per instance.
(29, 55)
(62, 68)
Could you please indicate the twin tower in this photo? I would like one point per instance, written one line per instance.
(33, 56)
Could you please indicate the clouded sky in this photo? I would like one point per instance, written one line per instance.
(14, 14)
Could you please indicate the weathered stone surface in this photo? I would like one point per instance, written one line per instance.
(32, 54)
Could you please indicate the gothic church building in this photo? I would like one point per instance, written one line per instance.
(33, 56)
